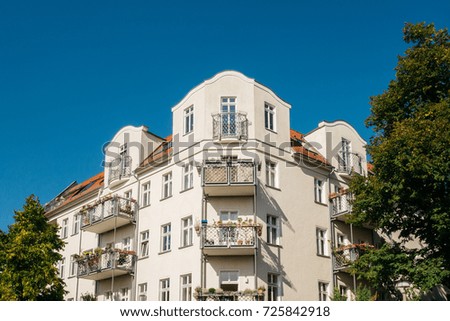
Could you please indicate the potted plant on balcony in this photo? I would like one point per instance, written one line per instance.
(261, 289)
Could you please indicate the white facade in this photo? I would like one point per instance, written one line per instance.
(232, 201)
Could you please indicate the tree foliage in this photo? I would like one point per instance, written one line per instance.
(29, 255)
(409, 191)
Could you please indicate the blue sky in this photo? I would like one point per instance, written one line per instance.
(73, 73)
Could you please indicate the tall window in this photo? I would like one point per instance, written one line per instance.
(144, 244)
(142, 291)
(146, 194)
(273, 232)
(65, 228)
(321, 236)
(319, 191)
(323, 291)
(273, 290)
(164, 290)
(166, 231)
(167, 185)
(340, 239)
(76, 224)
(228, 112)
(186, 287)
(128, 194)
(188, 175)
(269, 116)
(344, 160)
(62, 268)
(271, 173)
(229, 280)
(73, 266)
(188, 119)
(126, 244)
(186, 231)
(124, 294)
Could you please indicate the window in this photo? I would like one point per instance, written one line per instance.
(273, 288)
(343, 291)
(128, 194)
(273, 233)
(340, 239)
(269, 116)
(126, 244)
(144, 244)
(73, 266)
(62, 267)
(344, 160)
(142, 292)
(229, 280)
(188, 176)
(271, 174)
(323, 291)
(164, 290)
(108, 296)
(321, 236)
(146, 194)
(319, 191)
(186, 287)
(64, 228)
(228, 113)
(226, 216)
(167, 185)
(186, 231)
(188, 120)
(165, 237)
(124, 294)
(76, 224)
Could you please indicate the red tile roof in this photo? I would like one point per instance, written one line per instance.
(160, 152)
(298, 146)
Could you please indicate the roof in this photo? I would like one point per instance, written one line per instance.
(298, 146)
(160, 152)
(76, 192)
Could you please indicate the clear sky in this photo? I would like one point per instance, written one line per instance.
(72, 73)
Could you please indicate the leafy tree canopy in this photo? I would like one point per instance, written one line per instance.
(30, 253)
(409, 191)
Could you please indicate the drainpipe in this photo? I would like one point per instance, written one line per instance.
(255, 251)
(136, 242)
(330, 210)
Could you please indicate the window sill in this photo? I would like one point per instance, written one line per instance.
(160, 253)
(275, 245)
(271, 130)
(319, 203)
(323, 255)
(273, 187)
(163, 199)
(185, 246)
(144, 257)
(187, 189)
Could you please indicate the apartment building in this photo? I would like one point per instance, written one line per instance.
(233, 205)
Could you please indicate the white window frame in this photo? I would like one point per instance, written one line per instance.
(76, 224)
(167, 185)
(164, 289)
(186, 287)
(145, 244)
(273, 286)
(188, 117)
(73, 266)
(166, 237)
(228, 280)
(124, 294)
(146, 194)
(142, 294)
(108, 296)
(127, 243)
(269, 117)
(323, 291)
(319, 190)
(228, 215)
(65, 228)
(273, 230)
(62, 268)
(187, 231)
(271, 173)
(188, 176)
(322, 241)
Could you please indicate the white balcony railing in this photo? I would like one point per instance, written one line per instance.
(119, 169)
(228, 173)
(216, 236)
(350, 163)
(230, 126)
(341, 203)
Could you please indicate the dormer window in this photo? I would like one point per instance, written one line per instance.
(188, 120)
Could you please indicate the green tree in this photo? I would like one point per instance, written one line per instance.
(30, 253)
(408, 195)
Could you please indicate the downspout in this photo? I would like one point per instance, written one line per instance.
(333, 235)
(136, 238)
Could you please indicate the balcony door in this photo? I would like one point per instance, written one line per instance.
(228, 114)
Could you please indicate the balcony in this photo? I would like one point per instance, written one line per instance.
(345, 255)
(229, 239)
(230, 127)
(102, 264)
(350, 164)
(119, 171)
(228, 178)
(341, 204)
(108, 213)
(218, 295)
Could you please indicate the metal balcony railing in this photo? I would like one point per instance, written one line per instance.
(230, 296)
(101, 260)
(120, 168)
(350, 163)
(229, 236)
(108, 207)
(228, 173)
(341, 203)
(230, 126)
(345, 255)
